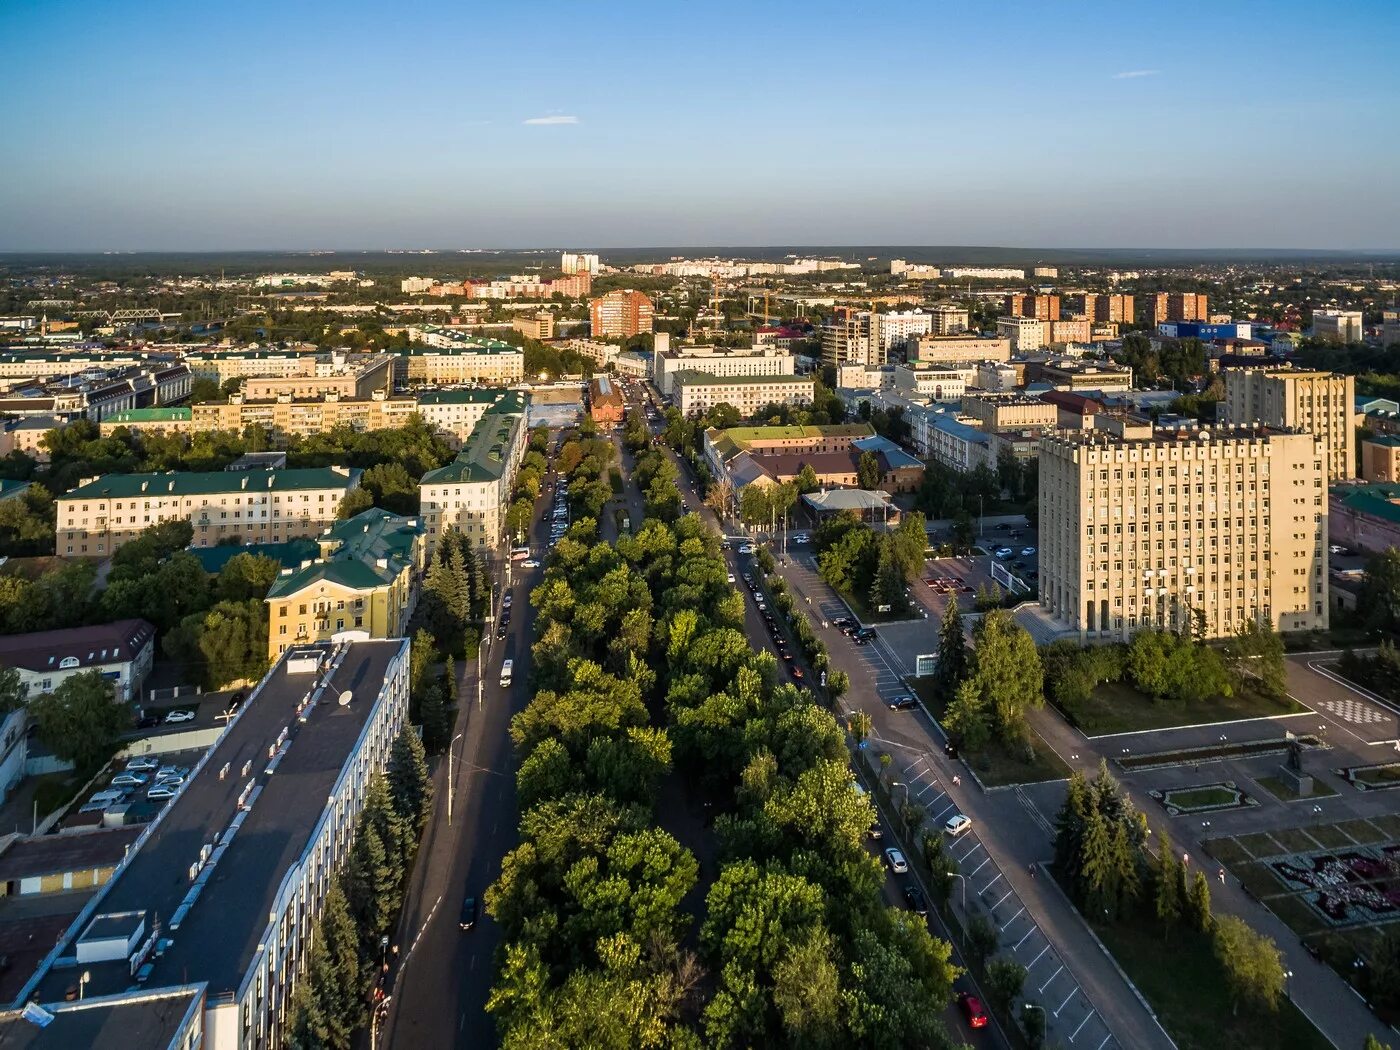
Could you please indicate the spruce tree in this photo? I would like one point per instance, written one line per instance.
(1167, 900)
(1098, 877)
(1069, 828)
(1125, 873)
(1198, 903)
(409, 783)
(433, 711)
(953, 661)
(368, 887)
(307, 1029)
(379, 811)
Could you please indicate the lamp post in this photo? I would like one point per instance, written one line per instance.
(1288, 984)
(902, 784)
(83, 983)
(450, 787)
(963, 880)
(1044, 1021)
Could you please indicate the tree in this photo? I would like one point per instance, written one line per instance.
(433, 711)
(1069, 829)
(860, 724)
(1372, 1043)
(1005, 978)
(868, 472)
(807, 989)
(246, 576)
(755, 508)
(1198, 904)
(968, 718)
(807, 480)
(1257, 652)
(409, 782)
(952, 666)
(391, 488)
(981, 939)
(355, 501)
(1379, 600)
(940, 867)
(1167, 901)
(1033, 1024)
(1385, 969)
(1252, 964)
(80, 721)
(1007, 672)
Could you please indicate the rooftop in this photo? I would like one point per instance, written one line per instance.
(1383, 440)
(175, 414)
(204, 483)
(56, 854)
(469, 396)
(289, 555)
(146, 1019)
(696, 377)
(483, 456)
(219, 933)
(895, 457)
(367, 551)
(94, 646)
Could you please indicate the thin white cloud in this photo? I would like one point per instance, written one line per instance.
(552, 119)
(1133, 74)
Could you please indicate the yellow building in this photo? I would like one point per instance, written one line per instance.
(363, 584)
(1141, 527)
(285, 416)
(1009, 411)
(1321, 403)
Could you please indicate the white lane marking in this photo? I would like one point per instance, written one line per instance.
(1082, 1023)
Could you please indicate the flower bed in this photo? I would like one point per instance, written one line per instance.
(1203, 798)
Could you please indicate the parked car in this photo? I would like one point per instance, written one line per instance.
(129, 779)
(914, 897)
(747, 548)
(531, 563)
(895, 859)
(165, 772)
(956, 825)
(901, 703)
(864, 636)
(797, 672)
(731, 577)
(184, 714)
(501, 630)
(1026, 552)
(1004, 552)
(973, 1012)
(161, 792)
(142, 764)
(148, 721)
(875, 831)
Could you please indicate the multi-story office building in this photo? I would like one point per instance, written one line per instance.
(719, 361)
(697, 392)
(865, 377)
(223, 890)
(449, 356)
(362, 584)
(1008, 411)
(958, 445)
(97, 517)
(866, 337)
(1178, 306)
(949, 318)
(959, 349)
(1041, 307)
(927, 380)
(1024, 333)
(1321, 403)
(1069, 330)
(620, 315)
(580, 262)
(1189, 530)
(535, 326)
(1338, 326)
(472, 492)
(1079, 376)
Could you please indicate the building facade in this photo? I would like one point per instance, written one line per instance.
(1338, 326)
(1023, 333)
(471, 494)
(695, 393)
(99, 516)
(967, 349)
(122, 652)
(621, 315)
(1321, 403)
(1187, 530)
(1380, 458)
(1008, 411)
(1177, 306)
(717, 361)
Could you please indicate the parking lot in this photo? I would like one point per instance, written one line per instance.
(133, 790)
(1071, 1019)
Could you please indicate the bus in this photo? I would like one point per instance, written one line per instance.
(507, 669)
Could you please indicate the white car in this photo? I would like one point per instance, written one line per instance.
(747, 548)
(731, 577)
(896, 861)
(142, 764)
(801, 537)
(956, 825)
(1336, 548)
(1004, 552)
(129, 779)
(160, 792)
(531, 563)
(1026, 552)
(183, 715)
(167, 772)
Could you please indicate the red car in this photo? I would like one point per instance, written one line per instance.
(975, 1016)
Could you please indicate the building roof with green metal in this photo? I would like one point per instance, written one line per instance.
(1383, 440)
(502, 400)
(364, 552)
(169, 414)
(487, 451)
(211, 482)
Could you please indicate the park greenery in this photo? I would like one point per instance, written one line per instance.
(644, 677)
(345, 965)
(871, 570)
(1171, 669)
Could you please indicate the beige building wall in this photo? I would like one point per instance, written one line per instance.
(489, 367)
(696, 395)
(959, 349)
(354, 380)
(1380, 459)
(304, 416)
(1149, 528)
(1321, 403)
(1009, 411)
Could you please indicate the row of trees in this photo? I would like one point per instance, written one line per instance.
(873, 569)
(1103, 861)
(529, 479)
(456, 592)
(346, 963)
(989, 690)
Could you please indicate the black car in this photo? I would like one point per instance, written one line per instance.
(148, 722)
(914, 897)
(501, 631)
(864, 636)
(842, 622)
(902, 703)
(467, 920)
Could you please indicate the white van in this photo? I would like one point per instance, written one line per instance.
(507, 669)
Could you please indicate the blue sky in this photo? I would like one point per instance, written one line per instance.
(302, 124)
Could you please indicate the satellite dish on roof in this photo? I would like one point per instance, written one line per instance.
(345, 698)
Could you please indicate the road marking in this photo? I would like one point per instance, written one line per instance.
(1052, 977)
(1038, 954)
(1105, 1040)
(1022, 941)
(1082, 1024)
(985, 861)
(1066, 1002)
(421, 930)
(998, 903)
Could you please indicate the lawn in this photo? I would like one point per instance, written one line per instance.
(1389, 823)
(1182, 980)
(1295, 840)
(1117, 707)
(1330, 837)
(998, 765)
(54, 791)
(1363, 832)
(1227, 851)
(1384, 776)
(1209, 796)
(1281, 790)
(1259, 844)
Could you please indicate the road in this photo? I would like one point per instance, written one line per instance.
(444, 975)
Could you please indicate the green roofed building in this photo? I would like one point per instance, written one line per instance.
(262, 506)
(448, 355)
(165, 420)
(696, 392)
(472, 492)
(359, 582)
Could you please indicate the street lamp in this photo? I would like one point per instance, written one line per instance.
(450, 791)
(1288, 984)
(963, 880)
(83, 983)
(901, 784)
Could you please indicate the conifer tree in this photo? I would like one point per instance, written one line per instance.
(1198, 903)
(953, 664)
(1099, 872)
(409, 783)
(1167, 901)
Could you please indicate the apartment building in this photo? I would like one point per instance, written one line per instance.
(949, 318)
(100, 515)
(1177, 306)
(1040, 307)
(1390, 327)
(286, 416)
(695, 393)
(220, 896)
(362, 584)
(37, 365)
(864, 377)
(1187, 530)
(535, 326)
(1008, 411)
(958, 445)
(177, 419)
(220, 365)
(1380, 458)
(1321, 403)
(580, 262)
(1069, 330)
(748, 362)
(866, 337)
(455, 413)
(415, 285)
(620, 315)
(122, 652)
(449, 356)
(1079, 376)
(96, 396)
(1338, 326)
(920, 379)
(959, 349)
(986, 273)
(472, 492)
(1024, 333)
(1112, 309)
(341, 375)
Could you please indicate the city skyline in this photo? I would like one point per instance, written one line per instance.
(255, 128)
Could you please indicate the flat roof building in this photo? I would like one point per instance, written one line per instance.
(697, 392)
(1321, 403)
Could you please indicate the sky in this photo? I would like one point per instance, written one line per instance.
(302, 124)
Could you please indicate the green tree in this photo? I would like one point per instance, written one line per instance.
(860, 724)
(1372, 1043)
(868, 472)
(355, 501)
(952, 667)
(1257, 652)
(1385, 969)
(246, 576)
(807, 480)
(1379, 600)
(432, 709)
(1167, 901)
(1007, 672)
(968, 718)
(81, 721)
(1198, 904)
(940, 865)
(1252, 964)
(755, 507)
(391, 488)
(409, 782)
(981, 939)
(1005, 978)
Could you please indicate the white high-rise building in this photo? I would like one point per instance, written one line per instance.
(1338, 326)
(578, 262)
